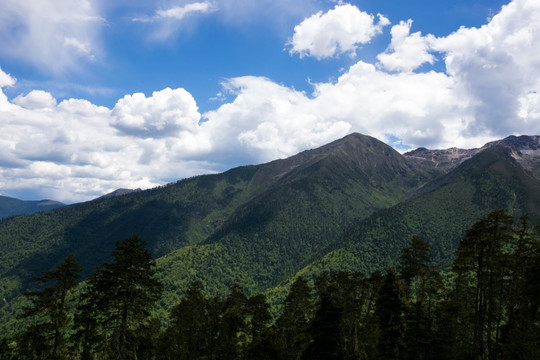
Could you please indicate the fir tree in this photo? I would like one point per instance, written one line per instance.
(50, 308)
(126, 290)
(292, 325)
(390, 310)
(481, 274)
(325, 328)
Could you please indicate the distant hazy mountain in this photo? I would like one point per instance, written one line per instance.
(351, 204)
(11, 206)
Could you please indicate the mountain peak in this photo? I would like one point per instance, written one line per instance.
(521, 143)
(524, 149)
(119, 192)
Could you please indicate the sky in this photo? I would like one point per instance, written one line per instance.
(97, 95)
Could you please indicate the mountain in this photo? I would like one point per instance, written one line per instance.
(497, 177)
(119, 192)
(330, 186)
(526, 151)
(10, 206)
(352, 204)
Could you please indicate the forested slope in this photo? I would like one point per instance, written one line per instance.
(440, 214)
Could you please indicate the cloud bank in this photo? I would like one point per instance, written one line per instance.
(74, 150)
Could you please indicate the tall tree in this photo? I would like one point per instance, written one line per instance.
(87, 337)
(232, 327)
(481, 274)
(190, 332)
(258, 310)
(51, 308)
(390, 310)
(126, 290)
(521, 334)
(414, 261)
(325, 328)
(292, 324)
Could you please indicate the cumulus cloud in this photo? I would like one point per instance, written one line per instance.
(269, 121)
(74, 150)
(165, 113)
(36, 99)
(498, 67)
(338, 31)
(406, 51)
(6, 79)
(58, 33)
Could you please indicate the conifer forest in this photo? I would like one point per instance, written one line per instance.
(486, 305)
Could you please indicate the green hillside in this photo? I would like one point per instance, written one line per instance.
(352, 204)
(254, 225)
(440, 214)
(284, 228)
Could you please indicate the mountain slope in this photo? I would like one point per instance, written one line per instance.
(440, 214)
(526, 151)
(281, 230)
(11, 206)
(328, 187)
(350, 204)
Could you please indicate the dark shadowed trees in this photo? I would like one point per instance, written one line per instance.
(50, 307)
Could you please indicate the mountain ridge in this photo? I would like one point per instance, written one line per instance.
(10, 206)
(351, 203)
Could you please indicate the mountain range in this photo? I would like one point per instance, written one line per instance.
(10, 206)
(351, 204)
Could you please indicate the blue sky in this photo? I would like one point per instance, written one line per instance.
(98, 95)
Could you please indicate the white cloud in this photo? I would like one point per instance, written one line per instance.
(498, 67)
(6, 79)
(165, 113)
(75, 150)
(179, 12)
(268, 121)
(36, 99)
(406, 51)
(338, 31)
(58, 33)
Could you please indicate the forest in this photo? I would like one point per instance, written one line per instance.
(485, 306)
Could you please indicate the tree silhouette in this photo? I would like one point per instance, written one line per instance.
(50, 306)
(126, 290)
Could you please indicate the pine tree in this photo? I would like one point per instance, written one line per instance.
(126, 290)
(292, 325)
(50, 308)
(190, 333)
(258, 310)
(390, 310)
(480, 282)
(325, 328)
(232, 327)
(414, 261)
(521, 334)
(88, 338)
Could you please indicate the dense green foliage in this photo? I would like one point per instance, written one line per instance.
(303, 201)
(487, 309)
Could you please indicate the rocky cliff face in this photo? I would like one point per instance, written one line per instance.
(525, 150)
